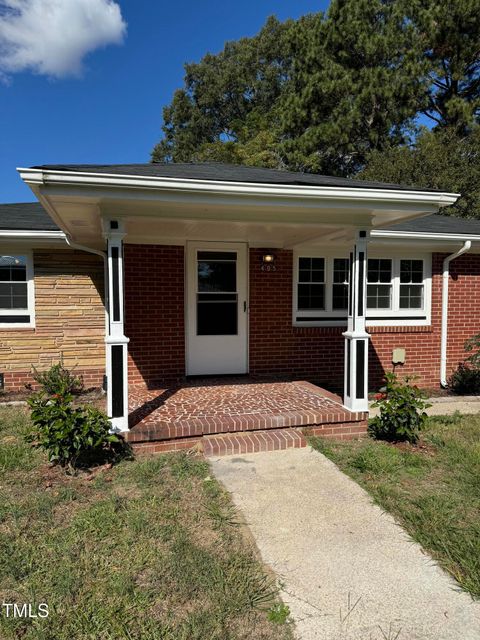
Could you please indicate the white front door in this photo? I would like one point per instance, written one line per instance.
(216, 308)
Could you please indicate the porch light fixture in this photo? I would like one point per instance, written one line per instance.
(268, 260)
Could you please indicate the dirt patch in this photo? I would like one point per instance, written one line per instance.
(422, 448)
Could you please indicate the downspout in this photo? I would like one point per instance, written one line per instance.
(102, 254)
(443, 348)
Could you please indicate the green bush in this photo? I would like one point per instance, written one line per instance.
(58, 380)
(71, 436)
(402, 411)
(465, 380)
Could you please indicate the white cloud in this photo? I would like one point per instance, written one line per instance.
(52, 37)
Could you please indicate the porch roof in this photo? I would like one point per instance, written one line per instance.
(168, 204)
(226, 173)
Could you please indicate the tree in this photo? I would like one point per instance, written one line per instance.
(444, 47)
(352, 90)
(227, 108)
(440, 159)
(322, 93)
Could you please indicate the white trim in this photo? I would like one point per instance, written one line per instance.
(53, 176)
(390, 316)
(30, 311)
(424, 235)
(23, 234)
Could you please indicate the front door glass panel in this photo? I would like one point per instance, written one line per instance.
(217, 295)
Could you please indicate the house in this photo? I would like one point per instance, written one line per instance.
(216, 269)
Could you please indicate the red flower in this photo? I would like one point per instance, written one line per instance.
(380, 396)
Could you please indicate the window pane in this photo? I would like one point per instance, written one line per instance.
(217, 276)
(340, 270)
(339, 297)
(379, 270)
(379, 296)
(13, 269)
(411, 296)
(217, 318)
(217, 255)
(311, 270)
(311, 296)
(13, 296)
(411, 270)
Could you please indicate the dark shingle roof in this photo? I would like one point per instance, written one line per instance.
(25, 216)
(439, 224)
(225, 173)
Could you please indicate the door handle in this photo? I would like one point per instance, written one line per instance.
(245, 306)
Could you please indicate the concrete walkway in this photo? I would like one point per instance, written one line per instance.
(349, 572)
(446, 406)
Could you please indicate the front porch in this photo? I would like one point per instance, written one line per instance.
(263, 415)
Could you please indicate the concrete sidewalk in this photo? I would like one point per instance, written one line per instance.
(445, 406)
(349, 571)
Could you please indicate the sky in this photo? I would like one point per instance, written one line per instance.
(85, 81)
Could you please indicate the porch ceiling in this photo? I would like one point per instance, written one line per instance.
(262, 214)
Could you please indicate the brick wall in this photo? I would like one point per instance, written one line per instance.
(70, 320)
(277, 347)
(154, 312)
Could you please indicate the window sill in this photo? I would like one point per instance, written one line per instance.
(17, 327)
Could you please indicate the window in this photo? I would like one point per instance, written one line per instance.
(379, 284)
(398, 290)
(217, 298)
(311, 284)
(16, 290)
(340, 284)
(411, 284)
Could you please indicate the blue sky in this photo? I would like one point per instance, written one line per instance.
(112, 112)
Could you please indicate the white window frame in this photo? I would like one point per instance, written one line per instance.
(394, 317)
(30, 311)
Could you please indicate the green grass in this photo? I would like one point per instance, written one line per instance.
(432, 490)
(150, 549)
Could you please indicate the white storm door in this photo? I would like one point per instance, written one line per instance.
(216, 308)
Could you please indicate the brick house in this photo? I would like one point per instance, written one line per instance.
(149, 273)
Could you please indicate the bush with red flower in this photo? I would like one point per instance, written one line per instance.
(402, 411)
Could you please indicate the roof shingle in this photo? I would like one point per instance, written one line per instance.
(224, 173)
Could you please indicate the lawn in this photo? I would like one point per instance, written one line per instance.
(433, 490)
(149, 549)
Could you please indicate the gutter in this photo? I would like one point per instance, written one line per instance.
(27, 234)
(97, 252)
(424, 235)
(45, 177)
(444, 330)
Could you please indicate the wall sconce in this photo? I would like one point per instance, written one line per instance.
(268, 262)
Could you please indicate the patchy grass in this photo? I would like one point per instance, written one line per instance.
(433, 490)
(149, 549)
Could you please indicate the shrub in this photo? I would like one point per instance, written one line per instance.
(71, 436)
(402, 411)
(58, 380)
(465, 380)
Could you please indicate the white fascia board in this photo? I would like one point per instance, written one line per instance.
(22, 234)
(48, 176)
(424, 235)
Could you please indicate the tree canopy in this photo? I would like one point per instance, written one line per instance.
(336, 93)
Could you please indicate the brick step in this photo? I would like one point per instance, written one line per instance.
(253, 441)
(196, 427)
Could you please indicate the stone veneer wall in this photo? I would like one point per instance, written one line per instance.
(70, 320)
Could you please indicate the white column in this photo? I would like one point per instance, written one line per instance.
(116, 341)
(356, 338)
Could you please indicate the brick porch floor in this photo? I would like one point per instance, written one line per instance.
(184, 415)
